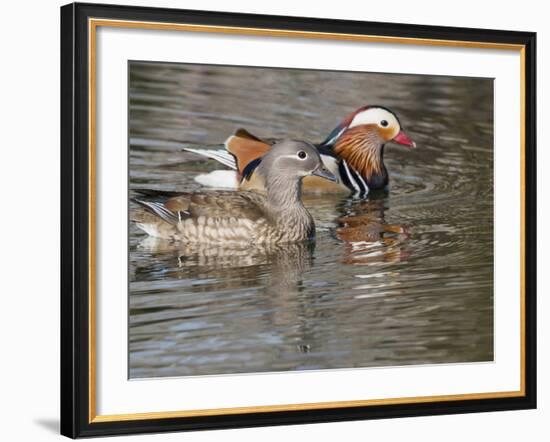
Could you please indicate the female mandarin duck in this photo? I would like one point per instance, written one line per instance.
(214, 217)
(353, 151)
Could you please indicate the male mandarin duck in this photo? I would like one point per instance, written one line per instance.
(353, 152)
(214, 217)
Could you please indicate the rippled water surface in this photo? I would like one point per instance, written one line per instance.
(397, 279)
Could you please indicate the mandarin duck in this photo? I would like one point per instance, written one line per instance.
(353, 152)
(214, 217)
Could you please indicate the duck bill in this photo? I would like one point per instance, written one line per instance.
(323, 172)
(403, 139)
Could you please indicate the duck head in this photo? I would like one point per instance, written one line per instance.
(377, 123)
(292, 160)
(360, 139)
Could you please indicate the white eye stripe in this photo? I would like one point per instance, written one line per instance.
(293, 156)
(290, 155)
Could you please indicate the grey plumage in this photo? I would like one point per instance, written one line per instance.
(213, 217)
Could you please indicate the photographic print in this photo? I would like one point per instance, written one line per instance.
(272, 220)
(292, 220)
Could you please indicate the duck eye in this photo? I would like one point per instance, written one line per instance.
(384, 123)
(302, 155)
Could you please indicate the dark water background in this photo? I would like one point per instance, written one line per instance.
(410, 283)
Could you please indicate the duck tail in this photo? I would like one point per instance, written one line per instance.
(157, 194)
(161, 211)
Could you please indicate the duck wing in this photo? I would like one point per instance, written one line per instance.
(220, 155)
(210, 204)
(246, 148)
(240, 149)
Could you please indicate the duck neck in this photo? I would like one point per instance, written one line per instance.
(363, 151)
(284, 194)
(286, 210)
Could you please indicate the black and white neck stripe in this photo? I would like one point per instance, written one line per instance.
(352, 179)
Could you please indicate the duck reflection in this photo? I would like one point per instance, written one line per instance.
(278, 267)
(368, 238)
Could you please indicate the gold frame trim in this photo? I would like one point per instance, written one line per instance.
(93, 24)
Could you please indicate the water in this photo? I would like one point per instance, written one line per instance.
(398, 279)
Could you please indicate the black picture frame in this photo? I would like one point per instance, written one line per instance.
(75, 195)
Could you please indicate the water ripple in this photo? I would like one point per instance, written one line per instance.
(401, 278)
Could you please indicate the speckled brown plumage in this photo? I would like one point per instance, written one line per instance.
(214, 217)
